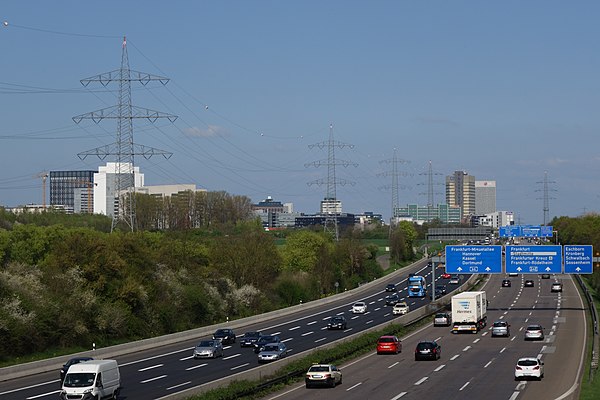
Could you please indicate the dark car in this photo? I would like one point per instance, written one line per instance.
(249, 339)
(337, 322)
(390, 287)
(529, 283)
(263, 340)
(441, 288)
(506, 283)
(391, 300)
(72, 361)
(226, 335)
(545, 276)
(428, 350)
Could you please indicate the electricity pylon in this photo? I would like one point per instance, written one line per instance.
(331, 214)
(546, 197)
(124, 148)
(430, 193)
(394, 174)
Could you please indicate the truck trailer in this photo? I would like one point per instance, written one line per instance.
(469, 312)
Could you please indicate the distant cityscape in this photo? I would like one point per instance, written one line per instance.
(468, 201)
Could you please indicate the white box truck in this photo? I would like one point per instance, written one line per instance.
(92, 380)
(469, 312)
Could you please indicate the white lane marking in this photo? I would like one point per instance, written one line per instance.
(320, 340)
(399, 396)
(467, 348)
(352, 387)
(153, 379)
(421, 380)
(502, 351)
(488, 364)
(233, 356)
(378, 308)
(369, 321)
(513, 338)
(394, 364)
(307, 333)
(287, 340)
(311, 323)
(294, 328)
(455, 357)
(239, 366)
(196, 366)
(439, 368)
(438, 339)
(179, 385)
(372, 302)
(514, 396)
(43, 394)
(464, 386)
(151, 367)
(181, 359)
(476, 340)
(484, 333)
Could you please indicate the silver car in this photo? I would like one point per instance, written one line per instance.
(209, 349)
(272, 352)
(534, 332)
(501, 328)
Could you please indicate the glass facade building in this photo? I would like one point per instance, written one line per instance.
(68, 187)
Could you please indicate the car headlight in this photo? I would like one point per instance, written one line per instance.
(86, 391)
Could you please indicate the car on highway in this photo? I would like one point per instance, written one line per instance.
(272, 352)
(389, 344)
(442, 289)
(360, 307)
(208, 349)
(249, 338)
(225, 335)
(72, 361)
(506, 283)
(400, 308)
(500, 328)
(556, 287)
(529, 283)
(392, 299)
(454, 280)
(390, 287)
(323, 374)
(446, 275)
(545, 276)
(529, 367)
(428, 349)
(337, 322)
(534, 332)
(264, 340)
(442, 319)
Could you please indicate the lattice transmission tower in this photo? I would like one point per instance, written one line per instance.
(330, 205)
(394, 174)
(430, 191)
(546, 189)
(124, 148)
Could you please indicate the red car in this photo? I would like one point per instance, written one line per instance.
(389, 344)
(446, 275)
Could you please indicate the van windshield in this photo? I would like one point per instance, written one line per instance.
(79, 379)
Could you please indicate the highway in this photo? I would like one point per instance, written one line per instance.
(170, 369)
(477, 365)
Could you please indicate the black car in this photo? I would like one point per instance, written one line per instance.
(428, 349)
(390, 287)
(545, 276)
(392, 299)
(72, 361)
(337, 322)
(226, 335)
(438, 293)
(263, 340)
(506, 283)
(529, 283)
(249, 339)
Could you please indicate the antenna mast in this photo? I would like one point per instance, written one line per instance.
(124, 149)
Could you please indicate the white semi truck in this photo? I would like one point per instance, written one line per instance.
(469, 312)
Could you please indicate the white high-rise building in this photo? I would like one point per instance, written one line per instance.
(485, 197)
(106, 200)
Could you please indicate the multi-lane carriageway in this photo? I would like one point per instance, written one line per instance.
(478, 366)
(470, 364)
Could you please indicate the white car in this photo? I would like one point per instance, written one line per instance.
(529, 367)
(400, 308)
(556, 287)
(360, 307)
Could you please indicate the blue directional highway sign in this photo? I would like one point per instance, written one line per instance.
(474, 259)
(578, 259)
(534, 259)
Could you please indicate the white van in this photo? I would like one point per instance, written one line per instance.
(94, 379)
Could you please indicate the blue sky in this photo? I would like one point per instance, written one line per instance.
(503, 90)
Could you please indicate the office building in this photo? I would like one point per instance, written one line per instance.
(460, 191)
(485, 197)
(445, 213)
(72, 190)
(106, 198)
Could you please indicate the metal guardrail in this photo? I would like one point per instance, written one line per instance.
(596, 336)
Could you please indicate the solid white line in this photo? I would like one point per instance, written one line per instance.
(196, 366)
(151, 367)
(421, 380)
(352, 387)
(181, 384)
(154, 379)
